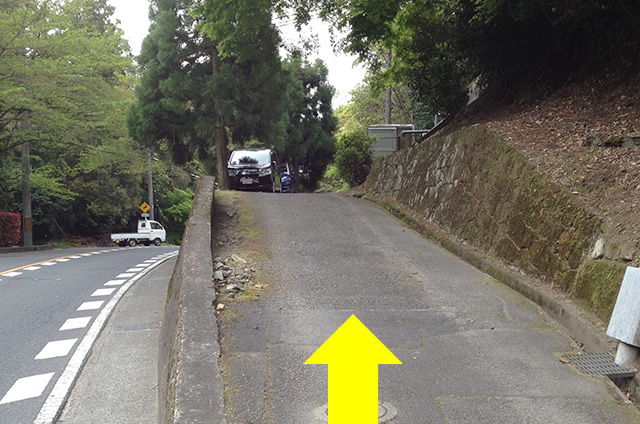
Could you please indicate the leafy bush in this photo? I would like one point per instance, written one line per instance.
(331, 181)
(9, 229)
(353, 156)
(175, 217)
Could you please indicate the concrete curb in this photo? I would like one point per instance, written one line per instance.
(190, 386)
(564, 313)
(17, 249)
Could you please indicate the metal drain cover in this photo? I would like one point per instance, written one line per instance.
(600, 364)
(386, 412)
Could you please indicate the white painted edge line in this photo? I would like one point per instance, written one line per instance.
(75, 323)
(85, 254)
(56, 349)
(63, 260)
(75, 257)
(142, 265)
(134, 269)
(103, 292)
(48, 263)
(12, 274)
(150, 261)
(31, 268)
(60, 392)
(114, 282)
(126, 275)
(27, 388)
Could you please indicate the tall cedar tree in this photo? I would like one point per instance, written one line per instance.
(173, 102)
(248, 82)
(310, 139)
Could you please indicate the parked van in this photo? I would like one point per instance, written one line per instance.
(252, 169)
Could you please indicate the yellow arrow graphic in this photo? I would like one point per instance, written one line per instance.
(353, 354)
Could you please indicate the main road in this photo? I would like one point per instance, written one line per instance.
(473, 351)
(52, 307)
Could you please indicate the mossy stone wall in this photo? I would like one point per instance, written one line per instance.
(484, 193)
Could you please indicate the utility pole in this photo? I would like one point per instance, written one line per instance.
(150, 182)
(387, 108)
(27, 227)
(221, 135)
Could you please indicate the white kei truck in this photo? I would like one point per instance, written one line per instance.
(148, 232)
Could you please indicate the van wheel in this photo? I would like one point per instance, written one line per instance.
(132, 243)
(157, 242)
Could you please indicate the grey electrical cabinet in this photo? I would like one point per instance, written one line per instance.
(389, 138)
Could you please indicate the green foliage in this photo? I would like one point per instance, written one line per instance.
(368, 105)
(331, 181)
(176, 215)
(174, 106)
(440, 46)
(353, 156)
(310, 142)
(66, 75)
(59, 65)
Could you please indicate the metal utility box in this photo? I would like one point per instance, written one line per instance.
(389, 138)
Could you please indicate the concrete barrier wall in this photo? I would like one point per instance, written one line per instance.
(190, 385)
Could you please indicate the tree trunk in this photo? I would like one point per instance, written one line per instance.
(221, 137)
(150, 183)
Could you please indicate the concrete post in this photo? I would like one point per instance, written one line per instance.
(625, 319)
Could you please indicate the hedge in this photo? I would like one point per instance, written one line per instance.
(10, 227)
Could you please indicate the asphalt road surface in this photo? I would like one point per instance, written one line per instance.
(53, 305)
(473, 350)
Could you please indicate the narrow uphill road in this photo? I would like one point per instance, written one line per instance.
(473, 350)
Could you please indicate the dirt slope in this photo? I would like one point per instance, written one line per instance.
(552, 134)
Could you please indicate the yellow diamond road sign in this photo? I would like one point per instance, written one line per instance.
(144, 207)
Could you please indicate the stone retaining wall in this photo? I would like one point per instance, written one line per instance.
(486, 195)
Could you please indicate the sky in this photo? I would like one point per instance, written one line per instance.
(343, 75)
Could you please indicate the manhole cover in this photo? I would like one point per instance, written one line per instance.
(386, 412)
(600, 364)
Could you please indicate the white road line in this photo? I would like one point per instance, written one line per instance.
(142, 265)
(85, 254)
(12, 274)
(90, 306)
(114, 282)
(63, 260)
(150, 261)
(75, 257)
(56, 349)
(27, 388)
(103, 292)
(75, 323)
(31, 268)
(126, 275)
(135, 269)
(60, 391)
(48, 263)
